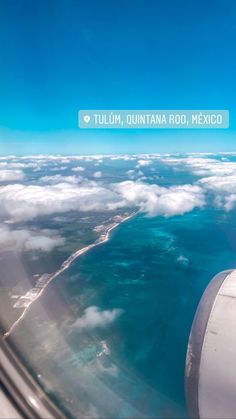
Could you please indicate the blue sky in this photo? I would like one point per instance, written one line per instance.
(61, 56)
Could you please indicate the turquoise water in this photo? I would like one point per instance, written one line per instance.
(155, 270)
(152, 269)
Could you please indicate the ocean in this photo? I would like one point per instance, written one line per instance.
(108, 337)
(153, 271)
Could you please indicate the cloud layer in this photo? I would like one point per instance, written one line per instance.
(27, 197)
(24, 202)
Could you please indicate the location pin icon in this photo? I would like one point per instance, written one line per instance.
(86, 118)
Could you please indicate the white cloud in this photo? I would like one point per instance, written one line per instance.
(78, 169)
(229, 202)
(131, 174)
(219, 184)
(23, 239)
(224, 188)
(43, 243)
(10, 175)
(17, 165)
(25, 202)
(125, 157)
(219, 176)
(58, 168)
(97, 174)
(94, 317)
(59, 194)
(156, 200)
(202, 166)
(142, 163)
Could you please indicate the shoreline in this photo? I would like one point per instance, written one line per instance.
(64, 266)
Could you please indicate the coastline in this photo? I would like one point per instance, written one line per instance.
(64, 266)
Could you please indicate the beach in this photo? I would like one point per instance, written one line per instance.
(34, 294)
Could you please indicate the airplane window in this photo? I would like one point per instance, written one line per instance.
(117, 205)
